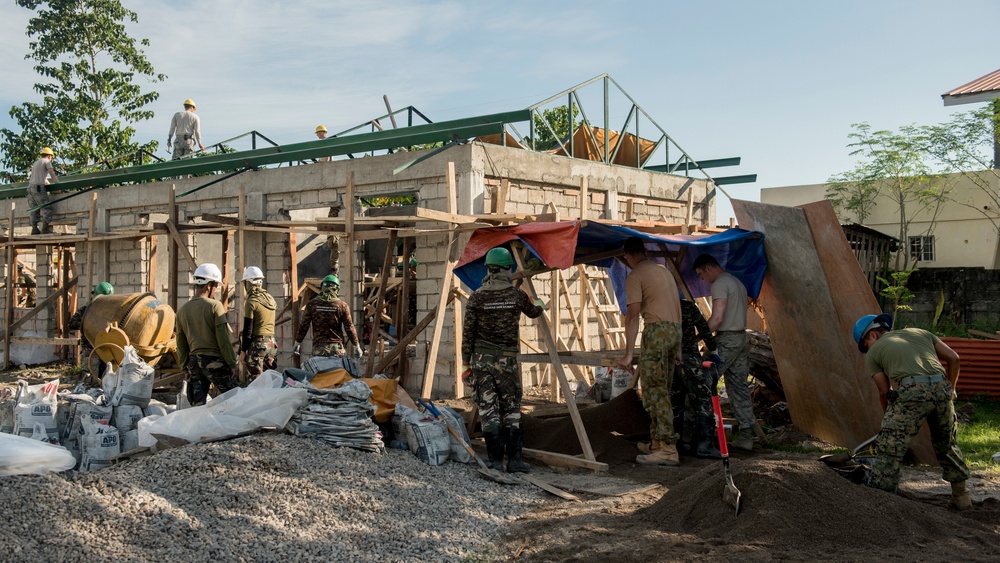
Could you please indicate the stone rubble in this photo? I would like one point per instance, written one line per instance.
(266, 497)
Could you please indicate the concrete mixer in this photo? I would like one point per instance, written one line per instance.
(140, 320)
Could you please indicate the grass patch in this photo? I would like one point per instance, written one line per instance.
(980, 438)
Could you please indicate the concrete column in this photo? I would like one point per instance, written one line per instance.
(45, 274)
(611, 205)
(471, 197)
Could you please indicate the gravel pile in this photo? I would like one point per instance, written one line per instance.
(268, 497)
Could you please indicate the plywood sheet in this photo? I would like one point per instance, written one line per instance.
(813, 292)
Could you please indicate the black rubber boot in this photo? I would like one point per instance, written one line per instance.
(494, 450)
(515, 440)
(706, 438)
(34, 229)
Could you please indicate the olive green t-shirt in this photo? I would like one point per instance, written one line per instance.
(261, 310)
(904, 352)
(197, 320)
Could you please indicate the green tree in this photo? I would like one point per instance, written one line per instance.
(893, 166)
(968, 145)
(553, 126)
(91, 90)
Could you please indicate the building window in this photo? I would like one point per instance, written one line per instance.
(922, 248)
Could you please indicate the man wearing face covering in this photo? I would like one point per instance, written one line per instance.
(331, 323)
(260, 351)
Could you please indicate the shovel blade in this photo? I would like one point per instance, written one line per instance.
(731, 495)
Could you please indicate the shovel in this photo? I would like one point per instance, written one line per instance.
(731, 495)
(486, 470)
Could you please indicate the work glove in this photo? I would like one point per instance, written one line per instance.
(297, 349)
(358, 352)
(540, 303)
(466, 375)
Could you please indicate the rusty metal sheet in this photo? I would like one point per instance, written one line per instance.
(980, 363)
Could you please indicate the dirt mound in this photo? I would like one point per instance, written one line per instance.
(801, 508)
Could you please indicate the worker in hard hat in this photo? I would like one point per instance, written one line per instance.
(38, 195)
(321, 134)
(76, 323)
(203, 338)
(490, 342)
(185, 130)
(28, 287)
(260, 351)
(915, 373)
(331, 322)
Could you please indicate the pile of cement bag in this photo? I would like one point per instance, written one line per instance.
(340, 417)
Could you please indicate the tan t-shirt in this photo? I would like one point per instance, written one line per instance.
(40, 170)
(730, 288)
(186, 124)
(652, 285)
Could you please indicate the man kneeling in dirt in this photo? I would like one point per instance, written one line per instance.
(911, 360)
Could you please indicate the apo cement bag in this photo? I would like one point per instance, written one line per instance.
(36, 404)
(98, 444)
(132, 384)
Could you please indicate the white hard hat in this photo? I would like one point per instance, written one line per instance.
(252, 273)
(206, 273)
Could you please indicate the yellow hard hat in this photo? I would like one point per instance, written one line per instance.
(321, 128)
(190, 102)
(46, 152)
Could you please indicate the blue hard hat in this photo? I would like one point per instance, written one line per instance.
(867, 323)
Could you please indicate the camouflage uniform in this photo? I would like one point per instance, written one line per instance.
(29, 289)
(490, 342)
(76, 323)
(260, 351)
(205, 358)
(691, 394)
(734, 349)
(202, 372)
(331, 321)
(660, 343)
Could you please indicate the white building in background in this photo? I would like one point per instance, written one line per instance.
(964, 233)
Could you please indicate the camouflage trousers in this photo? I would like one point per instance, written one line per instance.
(329, 349)
(690, 397)
(916, 403)
(734, 349)
(202, 372)
(334, 244)
(262, 355)
(496, 388)
(183, 145)
(661, 343)
(39, 195)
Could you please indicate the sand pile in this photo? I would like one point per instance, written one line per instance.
(802, 509)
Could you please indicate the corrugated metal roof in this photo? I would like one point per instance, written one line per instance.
(980, 366)
(988, 83)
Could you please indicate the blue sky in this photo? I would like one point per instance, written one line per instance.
(777, 83)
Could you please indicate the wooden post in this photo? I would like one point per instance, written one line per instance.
(500, 205)
(64, 310)
(689, 216)
(226, 259)
(171, 250)
(457, 321)
(11, 279)
(151, 280)
(584, 195)
(403, 321)
(91, 227)
(241, 264)
(387, 266)
(347, 252)
(446, 284)
(293, 279)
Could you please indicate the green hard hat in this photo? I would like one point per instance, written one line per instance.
(499, 256)
(413, 262)
(104, 288)
(331, 279)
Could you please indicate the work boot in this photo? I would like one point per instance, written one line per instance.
(663, 454)
(744, 440)
(647, 447)
(494, 450)
(45, 229)
(960, 498)
(515, 441)
(34, 229)
(706, 442)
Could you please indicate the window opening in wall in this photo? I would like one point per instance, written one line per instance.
(922, 248)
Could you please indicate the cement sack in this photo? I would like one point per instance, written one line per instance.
(130, 440)
(36, 403)
(458, 451)
(158, 408)
(7, 416)
(98, 444)
(132, 384)
(126, 417)
(24, 456)
(428, 438)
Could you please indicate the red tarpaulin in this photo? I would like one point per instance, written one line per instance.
(553, 243)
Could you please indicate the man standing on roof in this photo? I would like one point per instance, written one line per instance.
(76, 323)
(38, 195)
(321, 134)
(331, 322)
(260, 351)
(187, 127)
(691, 395)
(490, 342)
(203, 338)
(651, 293)
(923, 370)
(729, 321)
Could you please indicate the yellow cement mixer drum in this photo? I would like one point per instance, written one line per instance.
(139, 320)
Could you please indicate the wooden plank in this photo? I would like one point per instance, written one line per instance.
(545, 486)
(151, 277)
(689, 214)
(181, 245)
(812, 274)
(41, 340)
(457, 321)
(41, 306)
(347, 252)
(9, 302)
(562, 460)
(172, 270)
(983, 334)
(449, 217)
(403, 319)
(596, 359)
(227, 252)
(500, 204)
(387, 267)
(293, 279)
(550, 344)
